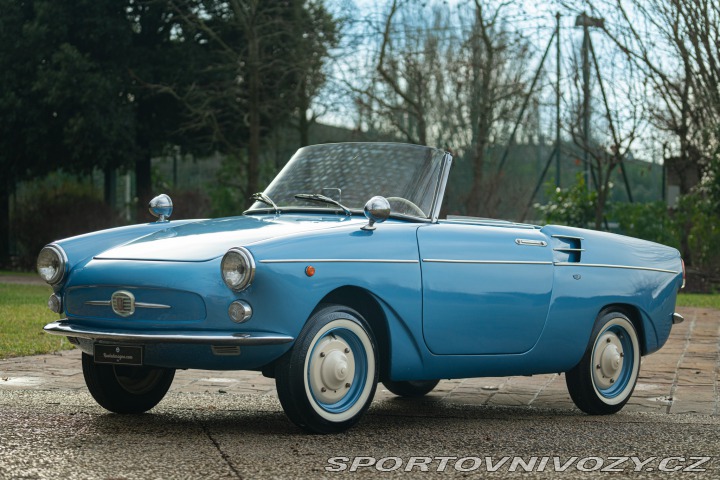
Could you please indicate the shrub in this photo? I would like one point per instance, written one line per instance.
(47, 213)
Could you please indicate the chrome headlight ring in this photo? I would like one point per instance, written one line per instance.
(52, 264)
(238, 268)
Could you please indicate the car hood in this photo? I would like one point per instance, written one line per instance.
(207, 239)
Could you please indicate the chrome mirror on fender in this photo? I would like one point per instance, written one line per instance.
(377, 210)
(161, 207)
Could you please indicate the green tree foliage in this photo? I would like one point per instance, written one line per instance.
(573, 206)
(70, 85)
(649, 221)
(76, 84)
(258, 64)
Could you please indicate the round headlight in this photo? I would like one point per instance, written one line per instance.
(238, 268)
(51, 264)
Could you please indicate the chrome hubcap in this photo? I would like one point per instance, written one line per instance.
(332, 369)
(608, 360)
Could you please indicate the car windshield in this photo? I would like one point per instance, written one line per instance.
(409, 176)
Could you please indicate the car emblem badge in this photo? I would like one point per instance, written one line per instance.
(123, 303)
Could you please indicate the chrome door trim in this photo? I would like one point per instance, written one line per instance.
(625, 267)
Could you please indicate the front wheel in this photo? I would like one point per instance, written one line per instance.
(328, 380)
(605, 378)
(412, 388)
(124, 389)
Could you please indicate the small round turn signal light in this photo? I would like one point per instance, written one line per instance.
(309, 270)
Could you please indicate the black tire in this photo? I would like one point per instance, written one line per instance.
(412, 388)
(124, 389)
(327, 380)
(605, 378)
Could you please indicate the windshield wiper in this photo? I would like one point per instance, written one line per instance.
(261, 197)
(316, 197)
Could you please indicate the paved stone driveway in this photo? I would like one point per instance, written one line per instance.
(683, 377)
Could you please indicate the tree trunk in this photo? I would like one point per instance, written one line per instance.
(5, 222)
(303, 122)
(110, 190)
(143, 188)
(253, 163)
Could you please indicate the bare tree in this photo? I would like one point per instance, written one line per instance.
(453, 77)
(618, 119)
(676, 45)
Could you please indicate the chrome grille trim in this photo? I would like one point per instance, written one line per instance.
(106, 303)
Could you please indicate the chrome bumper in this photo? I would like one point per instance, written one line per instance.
(65, 328)
(677, 318)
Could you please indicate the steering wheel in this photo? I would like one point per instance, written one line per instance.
(405, 207)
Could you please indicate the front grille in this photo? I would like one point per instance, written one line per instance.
(155, 304)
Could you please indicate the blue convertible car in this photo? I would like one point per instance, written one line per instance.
(307, 290)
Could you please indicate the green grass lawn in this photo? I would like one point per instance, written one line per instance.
(707, 300)
(23, 314)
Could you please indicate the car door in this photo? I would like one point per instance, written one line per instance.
(486, 288)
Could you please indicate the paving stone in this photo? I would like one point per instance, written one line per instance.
(682, 377)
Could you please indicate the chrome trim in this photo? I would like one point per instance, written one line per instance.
(65, 328)
(561, 249)
(337, 260)
(106, 303)
(531, 243)
(63, 256)
(440, 191)
(677, 318)
(625, 267)
(376, 210)
(247, 311)
(55, 303)
(122, 308)
(485, 262)
(161, 207)
(569, 237)
(250, 260)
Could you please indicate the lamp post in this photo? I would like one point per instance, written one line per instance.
(585, 21)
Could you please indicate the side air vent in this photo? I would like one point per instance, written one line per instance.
(567, 248)
(225, 350)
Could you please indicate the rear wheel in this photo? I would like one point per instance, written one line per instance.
(605, 378)
(328, 380)
(412, 388)
(125, 389)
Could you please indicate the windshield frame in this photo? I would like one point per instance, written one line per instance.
(438, 192)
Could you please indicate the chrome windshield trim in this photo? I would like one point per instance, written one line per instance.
(337, 260)
(485, 262)
(106, 303)
(624, 267)
(440, 190)
(65, 328)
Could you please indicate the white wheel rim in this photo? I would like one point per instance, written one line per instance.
(339, 370)
(615, 361)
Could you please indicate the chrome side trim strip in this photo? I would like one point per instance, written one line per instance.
(63, 327)
(337, 260)
(570, 237)
(485, 262)
(106, 303)
(561, 249)
(625, 267)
